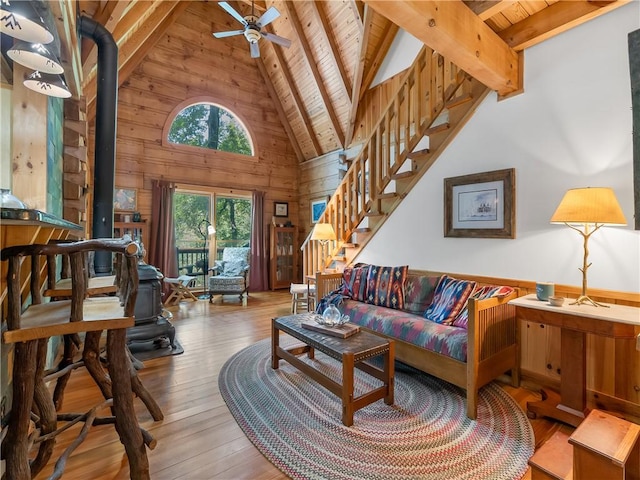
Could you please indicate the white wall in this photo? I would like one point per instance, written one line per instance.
(571, 128)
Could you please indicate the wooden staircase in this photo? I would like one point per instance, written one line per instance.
(433, 102)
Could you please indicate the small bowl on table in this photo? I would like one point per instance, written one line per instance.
(556, 301)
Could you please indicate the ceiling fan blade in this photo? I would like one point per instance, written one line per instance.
(255, 50)
(231, 11)
(272, 37)
(269, 16)
(228, 34)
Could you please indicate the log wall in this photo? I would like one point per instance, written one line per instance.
(185, 67)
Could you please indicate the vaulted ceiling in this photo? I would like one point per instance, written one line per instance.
(337, 48)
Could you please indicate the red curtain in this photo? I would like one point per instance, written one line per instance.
(258, 274)
(162, 251)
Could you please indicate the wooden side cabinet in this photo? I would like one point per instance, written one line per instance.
(138, 231)
(283, 257)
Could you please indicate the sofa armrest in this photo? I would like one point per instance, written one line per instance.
(326, 283)
(492, 326)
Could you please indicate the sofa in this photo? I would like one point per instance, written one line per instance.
(453, 327)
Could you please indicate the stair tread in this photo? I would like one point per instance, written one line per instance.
(554, 457)
(407, 174)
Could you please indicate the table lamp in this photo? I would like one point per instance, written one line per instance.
(589, 208)
(323, 233)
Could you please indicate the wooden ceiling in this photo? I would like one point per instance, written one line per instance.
(337, 48)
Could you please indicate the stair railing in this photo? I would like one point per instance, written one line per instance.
(428, 85)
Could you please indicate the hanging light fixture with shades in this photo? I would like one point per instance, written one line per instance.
(49, 84)
(323, 233)
(35, 56)
(590, 208)
(19, 19)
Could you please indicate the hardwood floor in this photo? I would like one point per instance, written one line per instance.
(198, 438)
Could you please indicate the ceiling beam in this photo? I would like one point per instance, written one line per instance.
(381, 53)
(311, 63)
(64, 12)
(489, 8)
(555, 19)
(136, 47)
(321, 16)
(357, 8)
(281, 65)
(108, 17)
(358, 73)
(454, 31)
(281, 113)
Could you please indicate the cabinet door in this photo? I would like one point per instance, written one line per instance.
(283, 257)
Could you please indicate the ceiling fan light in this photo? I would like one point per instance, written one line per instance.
(49, 84)
(252, 36)
(35, 56)
(19, 19)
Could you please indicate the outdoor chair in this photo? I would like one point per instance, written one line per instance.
(230, 276)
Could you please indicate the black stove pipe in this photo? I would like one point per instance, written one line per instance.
(105, 142)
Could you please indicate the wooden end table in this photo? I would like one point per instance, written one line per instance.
(353, 352)
(575, 321)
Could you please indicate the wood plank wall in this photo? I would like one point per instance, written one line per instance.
(184, 67)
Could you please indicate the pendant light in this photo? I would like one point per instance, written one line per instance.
(49, 84)
(19, 19)
(35, 56)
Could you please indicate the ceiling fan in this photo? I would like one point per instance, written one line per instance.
(254, 28)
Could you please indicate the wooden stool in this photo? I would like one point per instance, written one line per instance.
(180, 289)
(30, 331)
(302, 296)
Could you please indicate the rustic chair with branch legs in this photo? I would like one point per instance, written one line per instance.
(230, 276)
(30, 329)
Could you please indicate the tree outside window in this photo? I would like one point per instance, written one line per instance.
(210, 126)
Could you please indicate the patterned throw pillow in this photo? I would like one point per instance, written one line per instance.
(385, 286)
(418, 292)
(481, 292)
(450, 298)
(355, 282)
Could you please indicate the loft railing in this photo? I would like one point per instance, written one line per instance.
(370, 185)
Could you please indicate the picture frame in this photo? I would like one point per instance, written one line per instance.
(281, 209)
(480, 205)
(318, 207)
(125, 200)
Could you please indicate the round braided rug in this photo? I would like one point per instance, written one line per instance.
(296, 424)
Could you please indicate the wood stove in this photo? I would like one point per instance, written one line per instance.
(152, 328)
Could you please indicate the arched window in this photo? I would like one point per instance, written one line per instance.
(208, 125)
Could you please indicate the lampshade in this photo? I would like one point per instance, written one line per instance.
(35, 56)
(47, 84)
(323, 232)
(589, 206)
(19, 19)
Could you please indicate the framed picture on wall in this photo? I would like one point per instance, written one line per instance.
(480, 205)
(281, 209)
(125, 200)
(317, 208)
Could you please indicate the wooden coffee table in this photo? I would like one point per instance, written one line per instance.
(353, 352)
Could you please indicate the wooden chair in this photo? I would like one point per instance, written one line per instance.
(29, 330)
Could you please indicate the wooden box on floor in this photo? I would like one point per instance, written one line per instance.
(602, 447)
(605, 446)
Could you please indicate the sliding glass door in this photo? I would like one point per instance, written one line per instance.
(206, 222)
